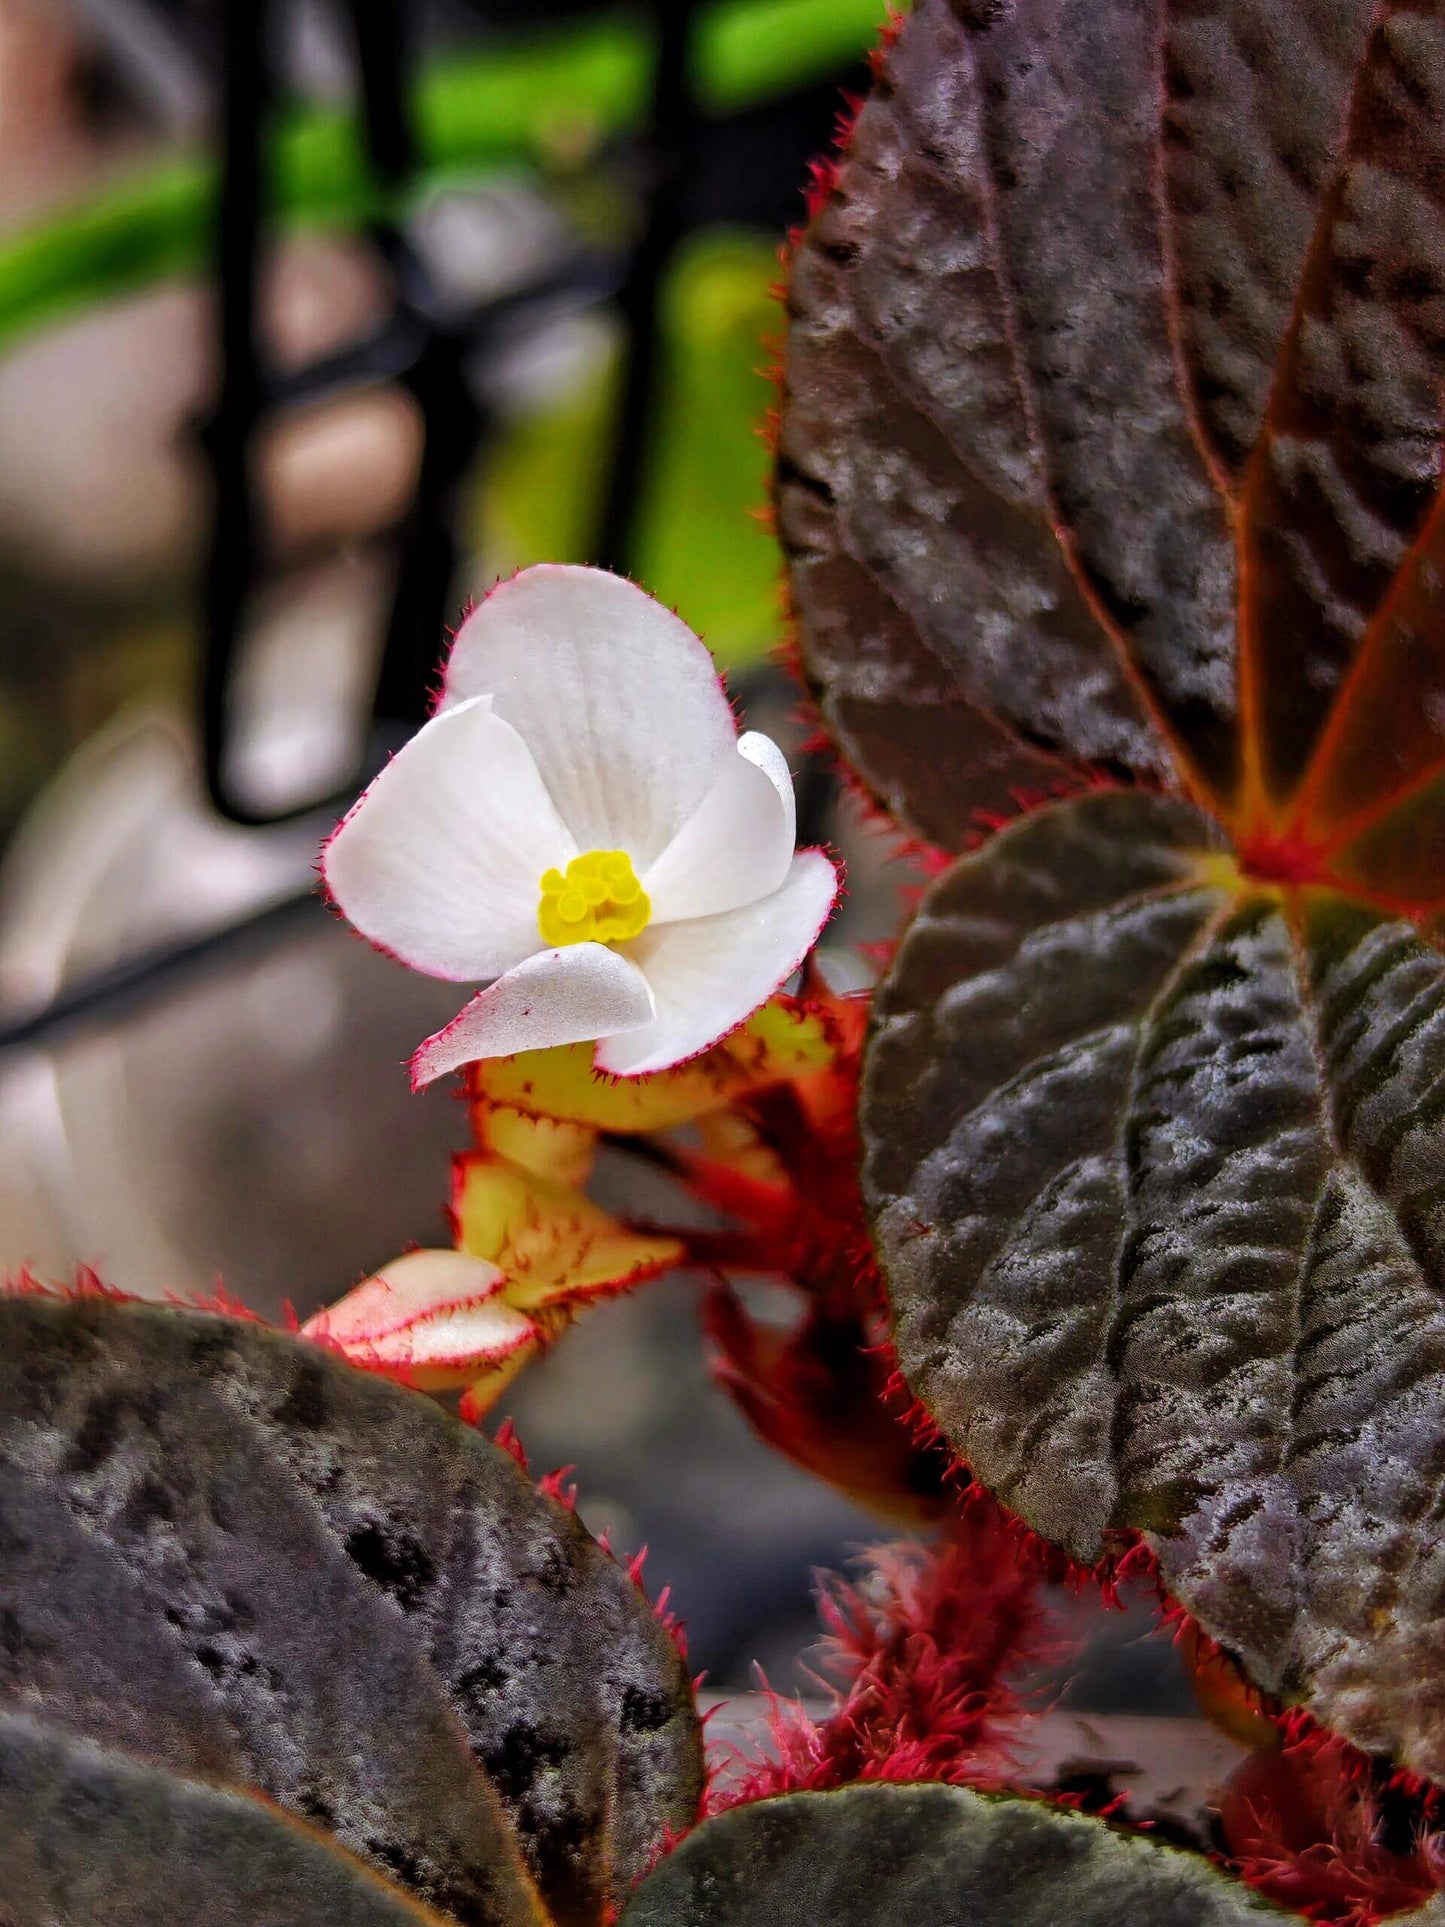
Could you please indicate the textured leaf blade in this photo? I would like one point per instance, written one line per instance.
(1071, 94)
(91, 1835)
(1257, 97)
(882, 1856)
(56, 1576)
(1373, 795)
(982, 415)
(912, 493)
(571, 1692)
(337, 1529)
(1113, 408)
(1154, 1182)
(121, 1414)
(1349, 463)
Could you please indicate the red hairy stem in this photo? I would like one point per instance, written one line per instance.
(924, 1656)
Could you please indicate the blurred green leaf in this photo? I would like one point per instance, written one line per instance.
(750, 50)
(546, 101)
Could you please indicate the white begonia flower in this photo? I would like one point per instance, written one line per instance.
(581, 827)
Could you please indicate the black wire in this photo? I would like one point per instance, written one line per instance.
(453, 423)
(383, 52)
(417, 348)
(454, 426)
(228, 435)
(582, 280)
(110, 993)
(664, 153)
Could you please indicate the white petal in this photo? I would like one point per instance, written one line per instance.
(441, 861)
(417, 1285)
(616, 698)
(463, 1341)
(561, 996)
(763, 751)
(737, 844)
(709, 974)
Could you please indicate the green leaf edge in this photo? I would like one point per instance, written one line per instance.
(135, 1784)
(975, 1809)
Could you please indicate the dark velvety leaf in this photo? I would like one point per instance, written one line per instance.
(56, 1576)
(1070, 93)
(901, 1856)
(981, 406)
(913, 497)
(936, 761)
(1375, 797)
(364, 1586)
(1257, 94)
(1350, 461)
(255, 1610)
(1114, 399)
(1155, 1158)
(91, 1836)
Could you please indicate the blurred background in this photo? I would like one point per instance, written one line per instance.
(315, 316)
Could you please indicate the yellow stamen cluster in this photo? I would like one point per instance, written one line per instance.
(599, 900)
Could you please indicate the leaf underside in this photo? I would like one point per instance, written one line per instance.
(895, 1856)
(1156, 1163)
(1114, 395)
(235, 1556)
(90, 1835)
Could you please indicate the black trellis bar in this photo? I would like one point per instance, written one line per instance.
(129, 985)
(452, 421)
(383, 50)
(422, 348)
(419, 349)
(426, 351)
(229, 434)
(665, 155)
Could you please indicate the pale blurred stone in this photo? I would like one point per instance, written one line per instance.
(341, 469)
(102, 480)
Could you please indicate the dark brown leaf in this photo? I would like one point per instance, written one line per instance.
(1155, 1158)
(90, 1836)
(1350, 461)
(913, 496)
(365, 1587)
(900, 1856)
(54, 1576)
(982, 410)
(1257, 97)
(1114, 398)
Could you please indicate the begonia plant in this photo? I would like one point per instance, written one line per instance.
(1108, 478)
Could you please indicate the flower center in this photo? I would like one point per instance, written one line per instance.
(599, 900)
